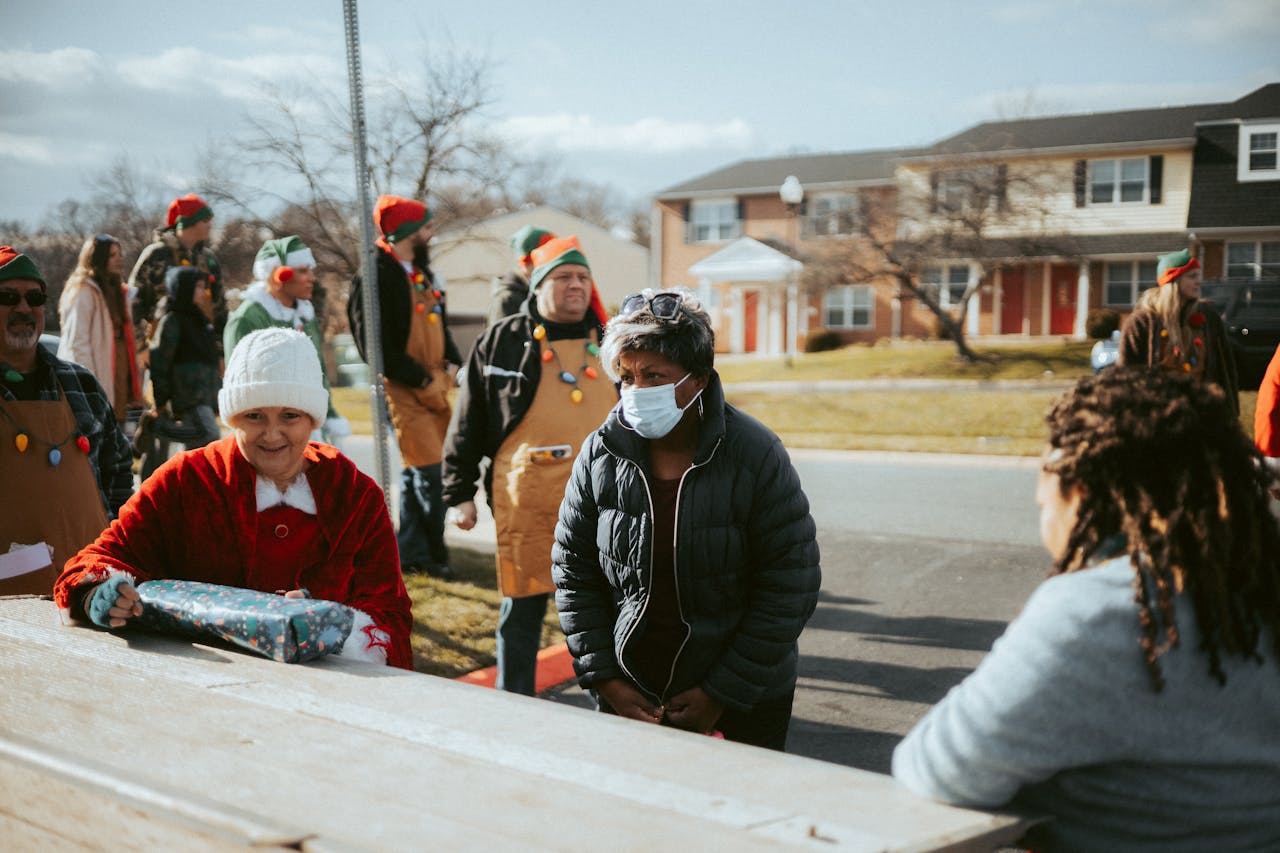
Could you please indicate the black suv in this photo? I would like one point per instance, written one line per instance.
(1250, 308)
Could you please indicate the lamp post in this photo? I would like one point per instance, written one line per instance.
(792, 194)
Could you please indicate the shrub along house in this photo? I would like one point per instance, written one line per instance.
(1043, 219)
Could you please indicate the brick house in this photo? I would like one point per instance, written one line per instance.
(1070, 211)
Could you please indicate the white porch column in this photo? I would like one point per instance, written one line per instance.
(737, 321)
(895, 317)
(1082, 300)
(793, 315)
(775, 344)
(997, 302)
(1046, 298)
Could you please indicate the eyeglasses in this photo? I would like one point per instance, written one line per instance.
(35, 298)
(664, 306)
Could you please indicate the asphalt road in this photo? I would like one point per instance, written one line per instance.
(925, 560)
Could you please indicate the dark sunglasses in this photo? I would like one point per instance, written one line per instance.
(35, 298)
(664, 306)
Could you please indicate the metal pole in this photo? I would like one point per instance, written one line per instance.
(368, 260)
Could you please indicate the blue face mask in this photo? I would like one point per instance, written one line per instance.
(652, 412)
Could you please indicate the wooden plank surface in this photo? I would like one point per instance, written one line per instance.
(356, 757)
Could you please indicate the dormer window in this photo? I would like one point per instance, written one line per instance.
(1259, 147)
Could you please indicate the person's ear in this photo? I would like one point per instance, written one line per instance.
(282, 275)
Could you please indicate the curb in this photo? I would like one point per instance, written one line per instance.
(555, 667)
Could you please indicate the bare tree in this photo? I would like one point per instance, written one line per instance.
(986, 213)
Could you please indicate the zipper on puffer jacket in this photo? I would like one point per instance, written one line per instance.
(675, 568)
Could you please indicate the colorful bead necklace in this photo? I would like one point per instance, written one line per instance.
(568, 377)
(22, 440)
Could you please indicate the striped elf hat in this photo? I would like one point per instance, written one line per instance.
(558, 252)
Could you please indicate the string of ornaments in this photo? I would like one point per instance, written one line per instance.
(22, 437)
(419, 285)
(1195, 352)
(568, 377)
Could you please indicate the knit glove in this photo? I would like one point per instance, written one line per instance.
(103, 598)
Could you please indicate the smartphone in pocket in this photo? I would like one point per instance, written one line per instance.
(550, 452)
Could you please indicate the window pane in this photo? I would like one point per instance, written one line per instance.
(1134, 169)
(1241, 253)
(1262, 141)
(1262, 161)
(931, 275)
(958, 275)
(1146, 275)
(1102, 181)
(1130, 191)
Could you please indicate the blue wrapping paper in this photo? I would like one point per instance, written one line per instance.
(288, 630)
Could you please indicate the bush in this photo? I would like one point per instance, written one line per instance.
(823, 341)
(1100, 323)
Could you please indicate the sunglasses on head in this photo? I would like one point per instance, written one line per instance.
(104, 238)
(664, 306)
(35, 298)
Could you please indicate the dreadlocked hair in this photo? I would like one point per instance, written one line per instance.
(1166, 469)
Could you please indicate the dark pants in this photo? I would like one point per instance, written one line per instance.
(421, 533)
(519, 638)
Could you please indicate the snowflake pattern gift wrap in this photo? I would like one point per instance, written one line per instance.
(289, 630)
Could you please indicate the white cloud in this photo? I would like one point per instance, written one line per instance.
(29, 149)
(189, 69)
(1225, 23)
(576, 132)
(57, 69)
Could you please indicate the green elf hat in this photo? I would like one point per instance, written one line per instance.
(398, 217)
(1174, 264)
(559, 251)
(281, 253)
(15, 265)
(187, 211)
(528, 238)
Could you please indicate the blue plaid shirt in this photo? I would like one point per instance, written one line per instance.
(110, 455)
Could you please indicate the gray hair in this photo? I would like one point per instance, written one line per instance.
(687, 340)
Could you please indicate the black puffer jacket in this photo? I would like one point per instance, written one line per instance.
(747, 568)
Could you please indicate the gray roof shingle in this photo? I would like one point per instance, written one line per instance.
(767, 174)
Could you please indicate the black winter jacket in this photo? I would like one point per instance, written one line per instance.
(499, 384)
(747, 563)
(395, 305)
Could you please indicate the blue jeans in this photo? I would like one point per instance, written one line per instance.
(421, 533)
(519, 638)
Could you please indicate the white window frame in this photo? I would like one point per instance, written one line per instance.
(948, 278)
(719, 216)
(1134, 279)
(1247, 132)
(845, 298)
(1118, 181)
(834, 215)
(1256, 261)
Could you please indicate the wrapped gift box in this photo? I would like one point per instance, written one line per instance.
(289, 630)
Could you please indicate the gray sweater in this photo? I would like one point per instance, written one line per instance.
(1060, 719)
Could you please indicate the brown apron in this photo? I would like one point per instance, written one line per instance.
(533, 465)
(420, 416)
(60, 506)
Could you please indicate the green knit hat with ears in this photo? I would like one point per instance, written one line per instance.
(527, 239)
(281, 252)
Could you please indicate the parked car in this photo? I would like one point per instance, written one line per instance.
(1250, 309)
(1105, 352)
(352, 371)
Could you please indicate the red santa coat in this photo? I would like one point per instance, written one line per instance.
(196, 518)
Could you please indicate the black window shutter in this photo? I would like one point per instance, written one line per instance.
(742, 210)
(1002, 187)
(1082, 175)
(1157, 178)
(688, 226)
(933, 192)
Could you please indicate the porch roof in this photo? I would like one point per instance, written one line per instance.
(747, 259)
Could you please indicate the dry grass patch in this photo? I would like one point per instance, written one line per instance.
(454, 621)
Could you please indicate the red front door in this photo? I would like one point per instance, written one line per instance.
(750, 319)
(1062, 299)
(1012, 301)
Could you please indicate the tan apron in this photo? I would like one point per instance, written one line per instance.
(60, 505)
(420, 416)
(534, 462)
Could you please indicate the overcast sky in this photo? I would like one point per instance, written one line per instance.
(637, 95)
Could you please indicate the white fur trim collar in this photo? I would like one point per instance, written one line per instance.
(298, 495)
(302, 312)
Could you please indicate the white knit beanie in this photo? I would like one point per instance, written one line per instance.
(273, 367)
